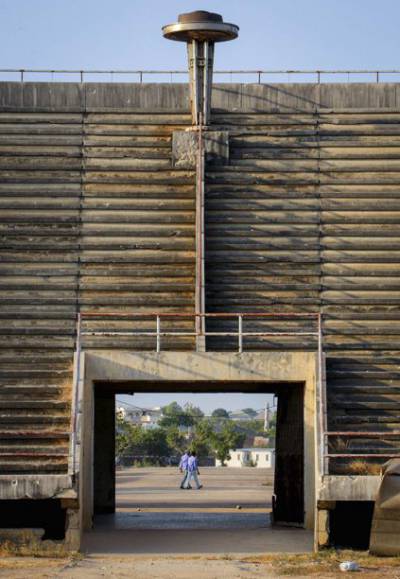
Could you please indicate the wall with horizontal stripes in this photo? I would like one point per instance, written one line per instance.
(94, 217)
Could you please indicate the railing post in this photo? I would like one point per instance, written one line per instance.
(158, 334)
(75, 400)
(240, 333)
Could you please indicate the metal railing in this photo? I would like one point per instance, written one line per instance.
(258, 76)
(199, 332)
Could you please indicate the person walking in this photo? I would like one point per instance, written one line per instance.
(193, 471)
(183, 467)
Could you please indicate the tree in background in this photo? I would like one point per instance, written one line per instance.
(250, 412)
(175, 415)
(194, 413)
(176, 440)
(122, 435)
(220, 413)
(227, 439)
(201, 439)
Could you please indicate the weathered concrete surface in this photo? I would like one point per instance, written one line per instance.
(157, 490)
(36, 487)
(195, 370)
(204, 521)
(258, 540)
(349, 488)
(229, 97)
(185, 148)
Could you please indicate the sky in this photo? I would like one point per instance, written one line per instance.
(126, 34)
(274, 34)
(207, 402)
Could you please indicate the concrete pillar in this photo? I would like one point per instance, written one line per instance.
(104, 453)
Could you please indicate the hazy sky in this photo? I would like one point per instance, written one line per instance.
(207, 402)
(274, 34)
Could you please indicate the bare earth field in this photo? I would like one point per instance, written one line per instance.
(160, 531)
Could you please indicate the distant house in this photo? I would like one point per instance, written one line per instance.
(140, 417)
(257, 457)
(150, 418)
(261, 441)
(120, 413)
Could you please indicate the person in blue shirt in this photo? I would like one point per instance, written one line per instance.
(183, 467)
(193, 471)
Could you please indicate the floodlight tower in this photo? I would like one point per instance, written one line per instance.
(200, 30)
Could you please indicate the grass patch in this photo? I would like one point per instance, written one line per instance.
(44, 549)
(325, 562)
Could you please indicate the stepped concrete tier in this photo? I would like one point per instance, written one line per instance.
(304, 217)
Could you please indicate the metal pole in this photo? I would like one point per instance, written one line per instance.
(195, 81)
(200, 268)
(240, 333)
(205, 82)
(158, 335)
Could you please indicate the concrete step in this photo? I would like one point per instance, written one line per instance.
(54, 448)
(39, 391)
(32, 419)
(7, 403)
(40, 466)
(16, 433)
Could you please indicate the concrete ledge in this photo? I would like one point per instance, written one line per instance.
(185, 148)
(349, 488)
(36, 487)
(174, 97)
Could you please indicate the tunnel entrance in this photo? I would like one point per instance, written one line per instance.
(291, 376)
(287, 499)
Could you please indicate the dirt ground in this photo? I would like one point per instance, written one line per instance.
(202, 567)
(155, 517)
(161, 532)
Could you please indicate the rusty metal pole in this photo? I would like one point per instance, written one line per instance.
(200, 30)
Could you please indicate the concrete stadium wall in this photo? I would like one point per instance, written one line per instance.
(94, 216)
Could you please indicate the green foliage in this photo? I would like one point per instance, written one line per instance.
(174, 415)
(253, 427)
(122, 436)
(220, 413)
(227, 439)
(177, 442)
(216, 435)
(202, 437)
(250, 411)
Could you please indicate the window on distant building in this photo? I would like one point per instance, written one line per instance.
(238, 456)
(257, 456)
